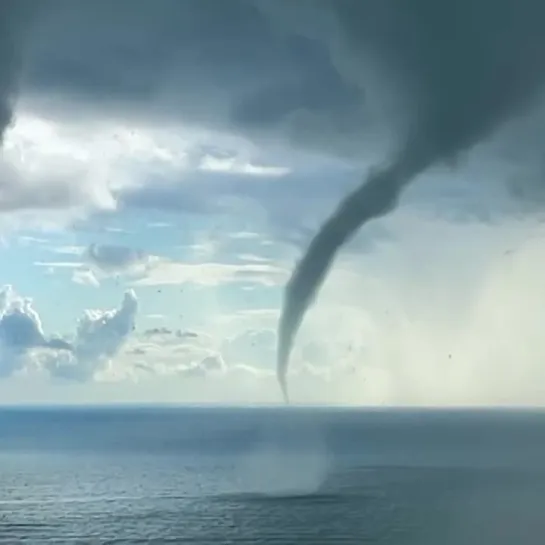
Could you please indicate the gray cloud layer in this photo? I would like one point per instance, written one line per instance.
(240, 66)
(317, 72)
(12, 15)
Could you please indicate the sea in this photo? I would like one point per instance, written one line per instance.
(212, 475)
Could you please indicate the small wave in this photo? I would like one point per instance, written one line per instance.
(280, 497)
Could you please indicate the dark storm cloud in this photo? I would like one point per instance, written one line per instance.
(314, 71)
(7, 72)
(13, 15)
(469, 65)
(228, 65)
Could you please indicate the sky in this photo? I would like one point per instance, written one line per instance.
(165, 164)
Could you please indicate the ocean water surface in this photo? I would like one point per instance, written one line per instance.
(271, 476)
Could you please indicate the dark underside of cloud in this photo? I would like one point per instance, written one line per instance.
(319, 73)
(245, 66)
(11, 16)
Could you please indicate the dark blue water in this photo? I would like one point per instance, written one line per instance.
(203, 476)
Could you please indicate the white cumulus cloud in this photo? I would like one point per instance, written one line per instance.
(100, 336)
(21, 332)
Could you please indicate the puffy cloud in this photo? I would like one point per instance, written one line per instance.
(50, 163)
(20, 325)
(45, 166)
(21, 331)
(100, 336)
(107, 348)
(53, 166)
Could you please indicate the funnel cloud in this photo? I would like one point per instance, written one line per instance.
(466, 67)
